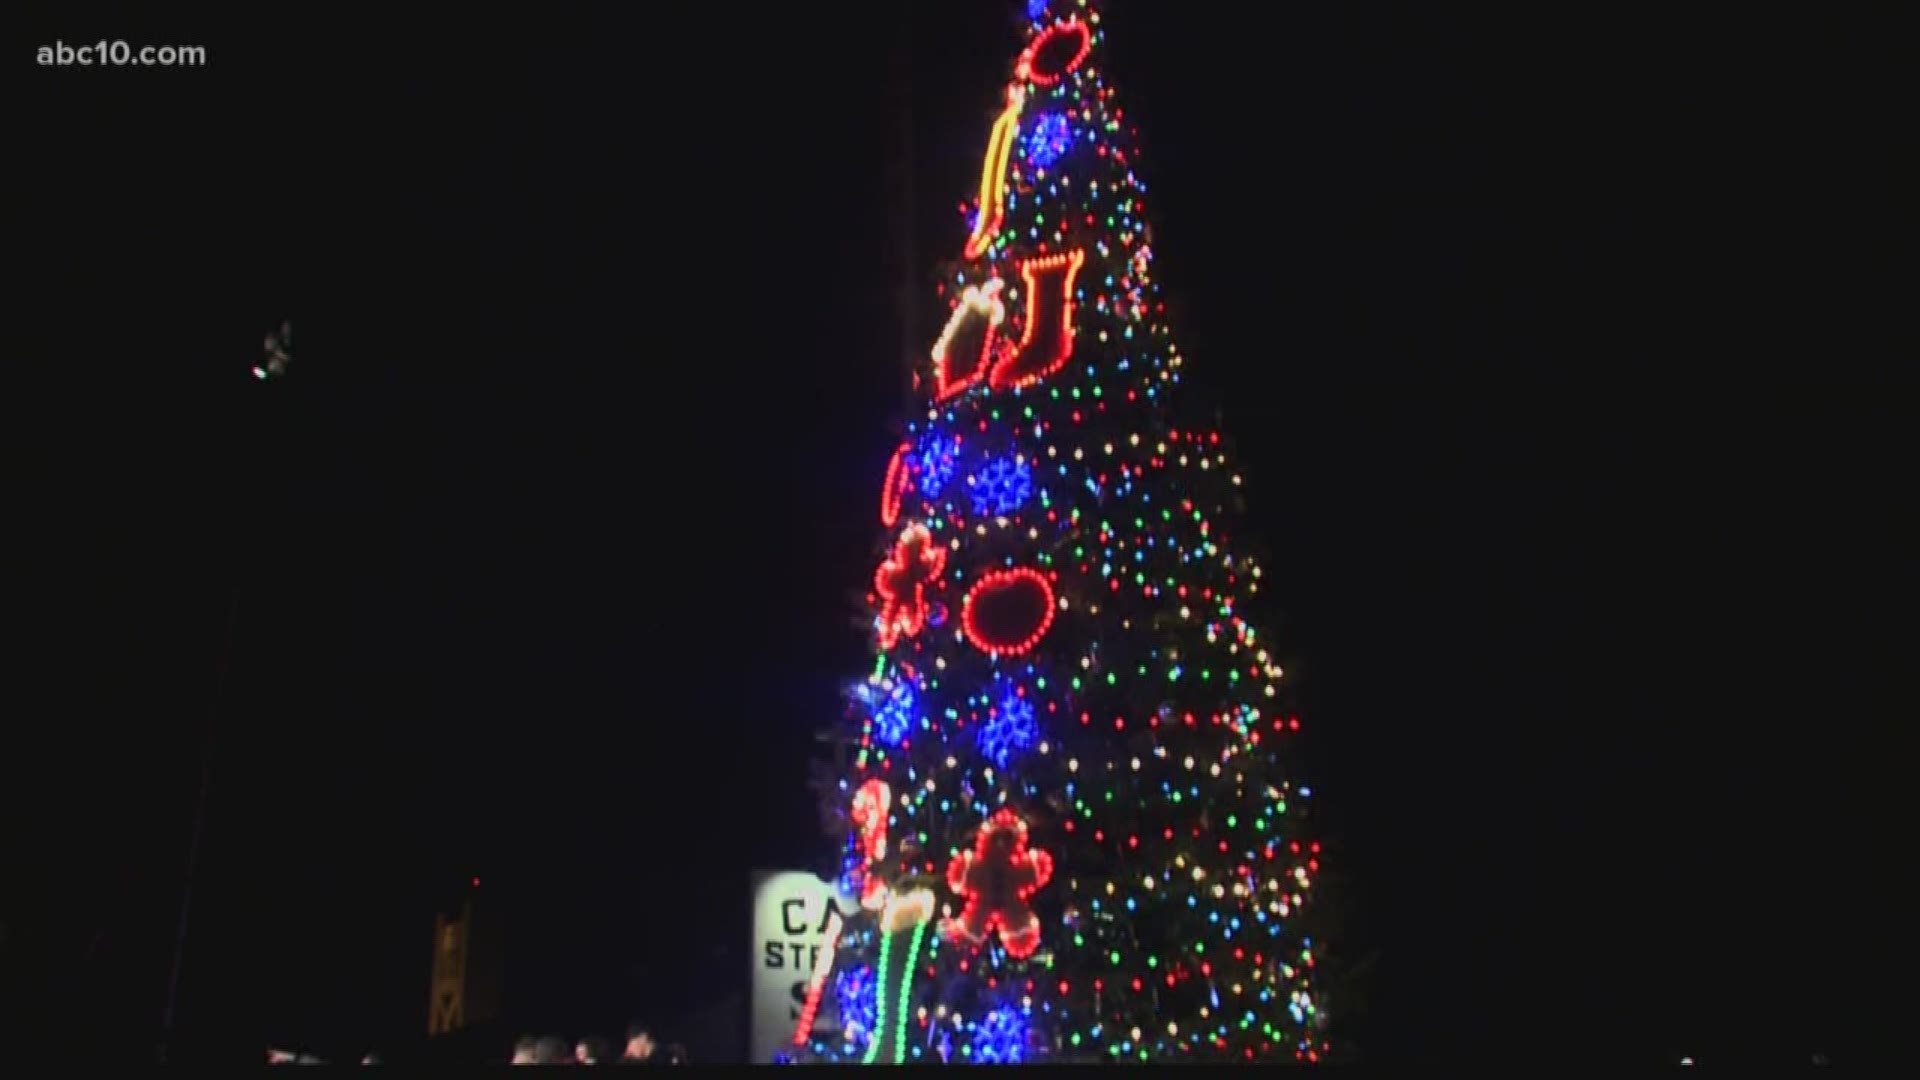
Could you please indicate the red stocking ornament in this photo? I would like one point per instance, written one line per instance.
(1047, 342)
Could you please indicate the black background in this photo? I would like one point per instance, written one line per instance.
(1547, 344)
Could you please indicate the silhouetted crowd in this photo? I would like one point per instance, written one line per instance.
(640, 1049)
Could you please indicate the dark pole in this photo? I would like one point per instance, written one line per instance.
(278, 357)
(224, 665)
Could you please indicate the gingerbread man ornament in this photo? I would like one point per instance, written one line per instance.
(902, 582)
(997, 878)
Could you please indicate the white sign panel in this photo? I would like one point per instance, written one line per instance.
(791, 910)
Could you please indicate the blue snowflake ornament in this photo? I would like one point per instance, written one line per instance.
(933, 463)
(1050, 137)
(858, 994)
(1011, 728)
(1002, 486)
(1000, 1039)
(891, 710)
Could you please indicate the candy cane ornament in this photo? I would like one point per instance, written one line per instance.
(871, 804)
(818, 984)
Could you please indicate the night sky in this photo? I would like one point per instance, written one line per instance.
(1545, 345)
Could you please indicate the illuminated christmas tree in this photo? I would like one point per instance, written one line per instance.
(1069, 814)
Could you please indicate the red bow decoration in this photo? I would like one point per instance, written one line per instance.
(902, 582)
(997, 878)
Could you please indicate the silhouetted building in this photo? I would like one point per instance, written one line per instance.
(465, 987)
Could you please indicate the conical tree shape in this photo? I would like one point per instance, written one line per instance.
(1070, 817)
